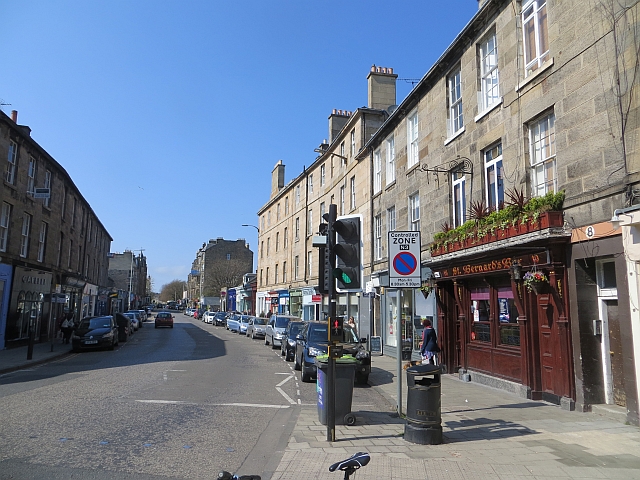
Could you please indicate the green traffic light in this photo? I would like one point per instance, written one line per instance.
(342, 276)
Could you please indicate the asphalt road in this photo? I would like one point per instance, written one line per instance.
(170, 403)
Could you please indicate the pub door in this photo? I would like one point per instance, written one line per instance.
(551, 371)
(613, 354)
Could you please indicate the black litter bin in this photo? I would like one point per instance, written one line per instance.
(345, 376)
(423, 405)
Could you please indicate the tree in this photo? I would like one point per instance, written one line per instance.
(223, 274)
(173, 290)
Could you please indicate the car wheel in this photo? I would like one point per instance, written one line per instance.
(304, 376)
(112, 346)
(282, 350)
(273, 346)
(287, 357)
(266, 342)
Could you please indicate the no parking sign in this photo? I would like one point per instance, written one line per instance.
(404, 259)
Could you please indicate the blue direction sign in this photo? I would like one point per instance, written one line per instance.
(405, 263)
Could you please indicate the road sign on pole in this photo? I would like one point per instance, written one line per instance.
(404, 260)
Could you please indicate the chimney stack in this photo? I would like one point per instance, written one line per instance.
(14, 116)
(277, 178)
(382, 87)
(337, 120)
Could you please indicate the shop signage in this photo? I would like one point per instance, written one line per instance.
(274, 300)
(487, 267)
(376, 344)
(316, 298)
(404, 259)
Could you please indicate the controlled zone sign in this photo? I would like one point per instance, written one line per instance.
(404, 260)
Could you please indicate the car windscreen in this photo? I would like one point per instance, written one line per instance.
(163, 315)
(282, 322)
(244, 319)
(258, 321)
(294, 329)
(318, 333)
(99, 322)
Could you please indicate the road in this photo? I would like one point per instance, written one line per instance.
(170, 403)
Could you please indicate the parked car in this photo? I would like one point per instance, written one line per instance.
(95, 332)
(188, 312)
(244, 323)
(275, 329)
(256, 327)
(220, 318)
(288, 343)
(134, 320)
(143, 315)
(125, 328)
(208, 317)
(164, 319)
(233, 323)
(313, 340)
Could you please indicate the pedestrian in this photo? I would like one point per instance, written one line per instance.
(352, 323)
(429, 346)
(67, 329)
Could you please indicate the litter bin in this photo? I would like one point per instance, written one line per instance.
(345, 375)
(423, 405)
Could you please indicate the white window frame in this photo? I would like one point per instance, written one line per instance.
(268, 246)
(278, 212)
(284, 272)
(277, 241)
(310, 181)
(5, 220)
(297, 230)
(309, 264)
(493, 165)
(31, 176)
(285, 237)
(391, 219)
(377, 172)
(414, 212)
(413, 156)
(24, 235)
(286, 205)
(342, 200)
(323, 210)
(542, 155)
(458, 184)
(297, 194)
(353, 143)
(391, 160)
(377, 239)
(275, 275)
(310, 223)
(342, 155)
(296, 266)
(535, 22)
(323, 172)
(489, 74)
(352, 193)
(12, 162)
(454, 96)
(42, 241)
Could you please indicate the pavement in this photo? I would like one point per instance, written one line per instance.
(487, 434)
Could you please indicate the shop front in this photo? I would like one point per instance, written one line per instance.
(311, 304)
(283, 301)
(231, 300)
(497, 323)
(89, 298)
(27, 307)
(5, 294)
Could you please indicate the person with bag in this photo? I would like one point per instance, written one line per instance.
(429, 347)
(67, 329)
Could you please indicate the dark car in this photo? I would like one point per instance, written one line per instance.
(220, 318)
(288, 347)
(313, 340)
(125, 329)
(95, 332)
(164, 319)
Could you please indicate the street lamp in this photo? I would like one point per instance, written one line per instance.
(247, 225)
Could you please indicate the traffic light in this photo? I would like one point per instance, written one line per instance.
(325, 276)
(348, 252)
(336, 326)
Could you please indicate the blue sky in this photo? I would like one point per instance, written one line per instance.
(170, 115)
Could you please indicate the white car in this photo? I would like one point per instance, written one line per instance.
(208, 317)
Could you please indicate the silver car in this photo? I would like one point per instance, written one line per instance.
(256, 327)
(276, 327)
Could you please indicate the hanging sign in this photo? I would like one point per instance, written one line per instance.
(404, 260)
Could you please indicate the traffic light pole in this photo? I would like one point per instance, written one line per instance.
(331, 366)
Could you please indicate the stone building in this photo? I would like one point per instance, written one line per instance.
(53, 247)
(218, 264)
(287, 262)
(532, 98)
(128, 273)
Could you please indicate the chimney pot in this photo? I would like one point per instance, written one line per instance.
(14, 116)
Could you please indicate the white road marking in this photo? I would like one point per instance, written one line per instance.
(284, 381)
(287, 397)
(180, 402)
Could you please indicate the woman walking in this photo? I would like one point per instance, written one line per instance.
(429, 347)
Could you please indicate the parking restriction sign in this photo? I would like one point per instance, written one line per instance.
(404, 259)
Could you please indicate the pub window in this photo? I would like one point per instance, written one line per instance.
(481, 314)
(508, 318)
